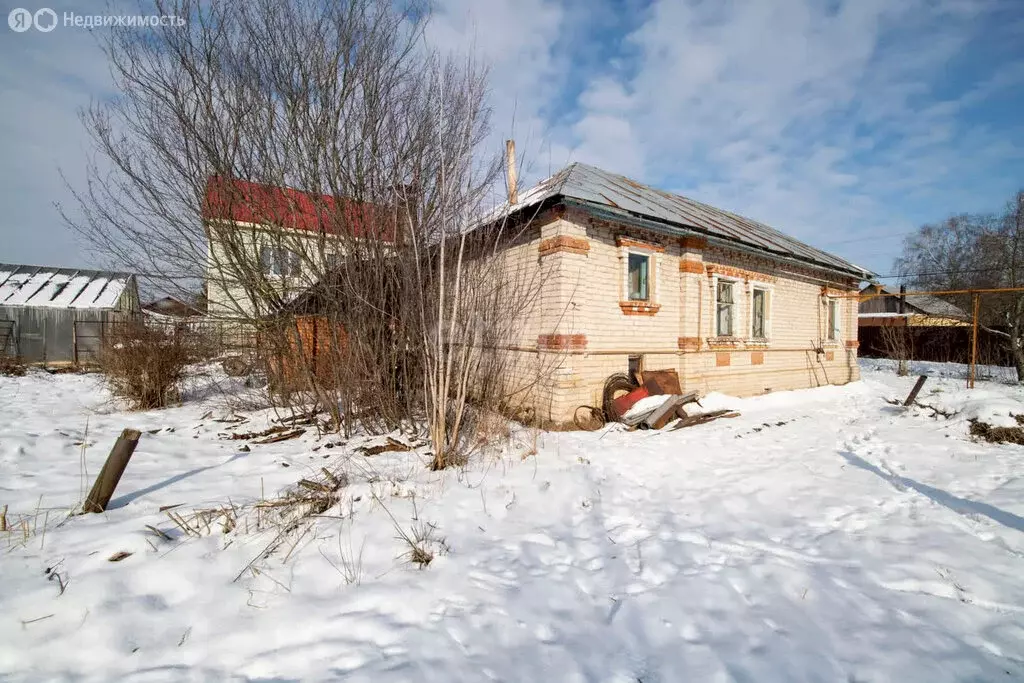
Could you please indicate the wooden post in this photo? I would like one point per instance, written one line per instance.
(916, 390)
(903, 369)
(113, 468)
(974, 341)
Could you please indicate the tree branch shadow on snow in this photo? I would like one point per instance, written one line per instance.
(127, 498)
(962, 506)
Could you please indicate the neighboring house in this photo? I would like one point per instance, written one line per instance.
(880, 306)
(638, 277)
(171, 307)
(287, 235)
(58, 315)
(935, 329)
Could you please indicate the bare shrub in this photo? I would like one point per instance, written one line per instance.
(899, 345)
(144, 365)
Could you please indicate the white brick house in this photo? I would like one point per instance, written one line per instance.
(636, 275)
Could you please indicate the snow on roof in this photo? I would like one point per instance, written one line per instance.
(61, 287)
(682, 216)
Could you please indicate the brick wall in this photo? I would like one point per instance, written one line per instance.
(586, 328)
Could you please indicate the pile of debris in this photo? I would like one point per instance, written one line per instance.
(654, 400)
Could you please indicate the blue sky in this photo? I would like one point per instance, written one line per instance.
(844, 123)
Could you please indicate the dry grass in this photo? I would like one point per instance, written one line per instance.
(999, 434)
(144, 365)
(11, 367)
(423, 543)
(18, 530)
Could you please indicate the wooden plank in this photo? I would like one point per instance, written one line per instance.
(281, 437)
(664, 413)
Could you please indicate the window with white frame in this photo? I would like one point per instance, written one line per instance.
(833, 319)
(725, 307)
(759, 313)
(639, 277)
(280, 262)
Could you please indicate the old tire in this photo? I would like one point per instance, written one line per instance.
(615, 386)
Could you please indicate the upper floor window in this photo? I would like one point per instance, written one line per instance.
(332, 261)
(758, 313)
(725, 305)
(639, 269)
(833, 319)
(279, 261)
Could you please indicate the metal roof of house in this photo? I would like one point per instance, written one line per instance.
(680, 215)
(925, 303)
(60, 287)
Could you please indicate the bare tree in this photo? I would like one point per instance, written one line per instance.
(975, 252)
(366, 285)
(898, 342)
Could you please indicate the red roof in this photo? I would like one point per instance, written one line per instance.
(247, 202)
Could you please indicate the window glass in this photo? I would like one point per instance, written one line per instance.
(833, 319)
(757, 314)
(725, 303)
(638, 273)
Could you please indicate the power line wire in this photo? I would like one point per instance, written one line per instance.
(873, 236)
(943, 272)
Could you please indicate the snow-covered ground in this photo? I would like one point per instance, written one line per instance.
(823, 535)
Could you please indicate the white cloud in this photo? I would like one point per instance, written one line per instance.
(519, 41)
(809, 117)
(827, 120)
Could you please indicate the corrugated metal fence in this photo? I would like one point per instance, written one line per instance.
(45, 335)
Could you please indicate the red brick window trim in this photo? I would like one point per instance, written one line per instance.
(639, 307)
(624, 241)
(724, 342)
(739, 273)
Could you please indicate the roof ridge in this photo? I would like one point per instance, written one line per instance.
(689, 199)
(679, 212)
(18, 266)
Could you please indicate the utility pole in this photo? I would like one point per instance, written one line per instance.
(974, 340)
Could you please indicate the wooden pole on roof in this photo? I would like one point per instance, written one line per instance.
(510, 171)
(974, 341)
